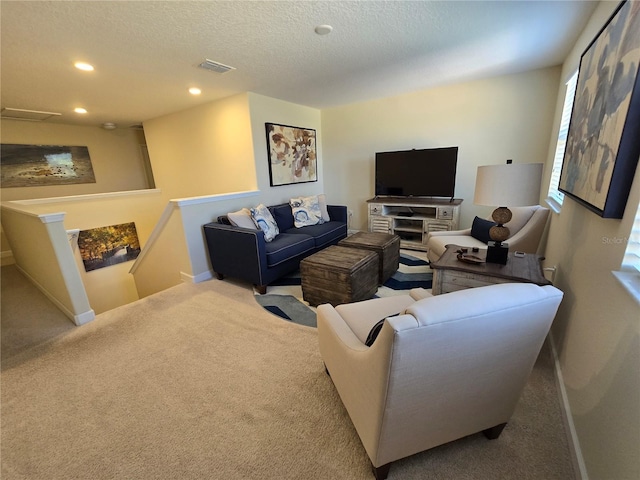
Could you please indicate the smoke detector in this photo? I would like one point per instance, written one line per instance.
(323, 29)
(109, 126)
(215, 66)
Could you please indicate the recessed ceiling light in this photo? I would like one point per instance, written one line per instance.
(323, 29)
(83, 66)
(195, 91)
(80, 110)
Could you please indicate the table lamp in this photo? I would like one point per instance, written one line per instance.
(513, 184)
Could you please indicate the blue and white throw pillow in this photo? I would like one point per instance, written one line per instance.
(264, 221)
(306, 211)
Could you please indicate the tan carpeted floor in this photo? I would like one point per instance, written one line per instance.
(199, 382)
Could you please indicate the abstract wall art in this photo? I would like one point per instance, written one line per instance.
(292, 154)
(603, 143)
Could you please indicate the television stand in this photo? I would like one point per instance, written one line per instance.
(412, 218)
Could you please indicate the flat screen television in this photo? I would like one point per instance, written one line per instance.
(428, 172)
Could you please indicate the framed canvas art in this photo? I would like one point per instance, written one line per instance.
(603, 143)
(41, 165)
(106, 246)
(292, 154)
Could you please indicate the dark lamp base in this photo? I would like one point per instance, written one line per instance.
(497, 253)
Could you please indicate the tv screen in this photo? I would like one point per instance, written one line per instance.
(429, 172)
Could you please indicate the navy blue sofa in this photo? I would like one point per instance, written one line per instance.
(243, 253)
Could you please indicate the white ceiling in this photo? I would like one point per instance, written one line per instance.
(145, 53)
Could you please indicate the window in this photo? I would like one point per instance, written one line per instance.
(555, 197)
(631, 260)
(629, 274)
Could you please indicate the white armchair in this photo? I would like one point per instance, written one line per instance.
(446, 367)
(525, 228)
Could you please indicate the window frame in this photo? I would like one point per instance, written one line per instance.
(629, 273)
(555, 197)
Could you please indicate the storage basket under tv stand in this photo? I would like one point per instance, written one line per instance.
(412, 218)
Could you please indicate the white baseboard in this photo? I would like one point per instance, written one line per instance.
(574, 444)
(83, 318)
(6, 258)
(79, 319)
(201, 277)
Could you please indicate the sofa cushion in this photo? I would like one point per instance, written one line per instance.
(322, 201)
(283, 216)
(264, 220)
(324, 234)
(373, 333)
(306, 211)
(286, 246)
(362, 316)
(242, 218)
(480, 229)
(520, 216)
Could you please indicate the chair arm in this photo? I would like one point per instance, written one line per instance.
(449, 233)
(527, 239)
(337, 213)
(360, 373)
(360, 317)
(236, 251)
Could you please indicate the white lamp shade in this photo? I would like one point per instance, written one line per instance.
(508, 185)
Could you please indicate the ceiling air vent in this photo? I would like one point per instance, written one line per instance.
(215, 66)
(29, 115)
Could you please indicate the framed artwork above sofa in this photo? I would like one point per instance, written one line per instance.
(292, 154)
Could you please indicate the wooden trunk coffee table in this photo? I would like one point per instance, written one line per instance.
(387, 247)
(451, 274)
(339, 275)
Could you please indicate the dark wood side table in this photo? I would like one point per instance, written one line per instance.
(451, 274)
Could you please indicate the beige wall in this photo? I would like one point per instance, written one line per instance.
(223, 157)
(270, 110)
(43, 254)
(115, 156)
(112, 286)
(490, 120)
(203, 150)
(597, 329)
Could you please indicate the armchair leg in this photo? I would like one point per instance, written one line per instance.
(219, 276)
(381, 472)
(261, 289)
(494, 432)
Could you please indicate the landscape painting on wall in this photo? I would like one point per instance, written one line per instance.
(41, 165)
(105, 246)
(292, 154)
(603, 144)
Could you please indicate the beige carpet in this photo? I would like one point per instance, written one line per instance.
(199, 382)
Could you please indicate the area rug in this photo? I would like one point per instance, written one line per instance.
(284, 297)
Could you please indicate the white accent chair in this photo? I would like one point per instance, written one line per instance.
(446, 367)
(525, 232)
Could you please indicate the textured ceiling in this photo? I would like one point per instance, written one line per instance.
(146, 52)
